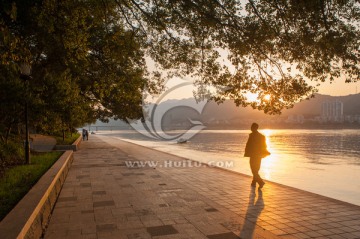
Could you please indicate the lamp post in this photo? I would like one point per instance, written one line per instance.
(25, 71)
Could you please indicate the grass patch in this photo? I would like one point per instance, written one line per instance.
(69, 139)
(17, 181)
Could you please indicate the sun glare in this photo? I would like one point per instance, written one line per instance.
(268, 133)
(251, 96)
(271, 160)
(267, 97)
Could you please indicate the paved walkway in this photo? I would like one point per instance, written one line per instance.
(104, 198)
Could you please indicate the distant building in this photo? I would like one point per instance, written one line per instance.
(357, 118)
(352, 118)
(295, 119)
(332, 111)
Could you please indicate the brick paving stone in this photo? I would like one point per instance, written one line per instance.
(227, 235)
(278, 232)
(350, 235)
(336, 236)
(300, 235)
(313, 234)
(103, 198)
(161, 230)
(325, 232)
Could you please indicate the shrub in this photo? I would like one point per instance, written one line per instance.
(18, 180)
(11, 153)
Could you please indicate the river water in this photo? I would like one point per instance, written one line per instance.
(325, 162)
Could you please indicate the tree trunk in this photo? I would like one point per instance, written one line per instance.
(8, 130)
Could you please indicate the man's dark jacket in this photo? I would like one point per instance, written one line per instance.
(256, 146)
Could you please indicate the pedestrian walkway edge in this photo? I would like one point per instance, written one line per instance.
(74, 146)
(31, 215)
(245, 175)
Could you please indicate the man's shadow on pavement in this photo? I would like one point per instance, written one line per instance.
(252, 213)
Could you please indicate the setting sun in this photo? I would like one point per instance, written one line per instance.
(267, 97)
(254, 97)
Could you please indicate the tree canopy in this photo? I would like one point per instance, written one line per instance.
(273, 48)
(89, 57)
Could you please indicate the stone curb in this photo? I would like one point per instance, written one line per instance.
(74, 147)
(31, 215)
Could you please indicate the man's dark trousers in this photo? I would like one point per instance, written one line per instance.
(255, 163)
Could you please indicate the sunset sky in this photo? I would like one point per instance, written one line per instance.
(337, 88)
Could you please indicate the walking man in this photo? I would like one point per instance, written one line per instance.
(256, 149)
(83, 134)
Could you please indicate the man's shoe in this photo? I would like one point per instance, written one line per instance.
(261, 184)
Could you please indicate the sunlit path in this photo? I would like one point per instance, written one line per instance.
(103, 197)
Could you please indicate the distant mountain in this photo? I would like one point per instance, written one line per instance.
(228, 110)
(178, 112)
(111, 125)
